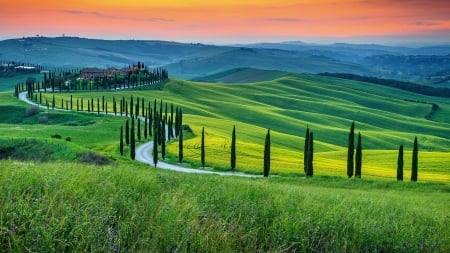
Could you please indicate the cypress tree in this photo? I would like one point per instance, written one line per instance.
(163, 141)
(98, 106)
(155, 146)
(358, 157)
(145, 124)
(400, 164)
(127, 132)
(351, 150)
(233, 149)
(267, 154)
(202, 155)
(131, 106)
(139, 129)
(310, 155)
(305, 151)
(121, 141)
(180, 146)
(177, 130)
(414, 163)
(132, 140)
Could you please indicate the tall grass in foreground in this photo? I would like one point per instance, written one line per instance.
(72, 207)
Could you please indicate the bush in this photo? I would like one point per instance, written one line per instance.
(68, 139)
(56, 136)
(43, 120)
(32, 110)
(93, 158)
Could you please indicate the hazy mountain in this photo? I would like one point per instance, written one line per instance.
(427, 65)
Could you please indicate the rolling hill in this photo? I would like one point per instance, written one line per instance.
(386, 117)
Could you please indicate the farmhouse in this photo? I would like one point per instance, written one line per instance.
(90, 73)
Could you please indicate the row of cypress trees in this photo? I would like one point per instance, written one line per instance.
(354, 160)
(67, 81)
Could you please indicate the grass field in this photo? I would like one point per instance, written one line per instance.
(131, 208)
(51, 201)
(385, 117)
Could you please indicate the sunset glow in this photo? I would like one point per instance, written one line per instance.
(229, 21)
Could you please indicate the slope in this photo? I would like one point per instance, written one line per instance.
(386, 117)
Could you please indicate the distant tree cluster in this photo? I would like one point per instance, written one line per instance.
(72, 80)
(408, 86)
(12, 68)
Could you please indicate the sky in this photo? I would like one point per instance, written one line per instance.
(232, 21)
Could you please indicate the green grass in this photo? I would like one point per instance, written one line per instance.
(132, 207)
(386, 118)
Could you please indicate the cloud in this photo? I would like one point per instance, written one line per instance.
(424, 23)
(284, 20)
(101, 15)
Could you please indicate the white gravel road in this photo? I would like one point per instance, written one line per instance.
(144, 153)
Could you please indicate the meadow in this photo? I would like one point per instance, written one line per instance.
(129, 207)
(52, 200)
(386, 118)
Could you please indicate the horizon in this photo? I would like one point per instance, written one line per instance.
(225, 22)
(316, 42)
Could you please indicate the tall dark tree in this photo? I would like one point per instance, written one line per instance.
(358, 157)
(267, 154)
(351, 150)
(132, 141)
(155, 146)
(305, 151)
(121, 141)
(310, 156)
(202, 155)
(233, 149)
(127, 132)
(180, 146)
(400, 164)
(163, 142)
(145, 124)
(414, 164)
(139, 129)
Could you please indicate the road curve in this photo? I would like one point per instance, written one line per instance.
(144, 152)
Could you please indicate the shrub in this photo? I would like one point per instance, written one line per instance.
(93, 158)
(43, 120)
(56, 136)
(68, 139)
(32, 110)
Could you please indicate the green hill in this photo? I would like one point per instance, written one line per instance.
(241, 75)
(386, 118)
(270, 59)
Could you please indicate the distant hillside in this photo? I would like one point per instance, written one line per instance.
(426, 65)
(78, 52)
(242, 75)
(270, 59)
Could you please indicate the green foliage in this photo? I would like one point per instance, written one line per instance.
(415, 160)
(358, 157)
(351, 150)
(267, 154)
(233, 149)
(400, 163)
(121, 141)
(310, 156)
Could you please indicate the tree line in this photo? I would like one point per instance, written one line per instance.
(70, 81)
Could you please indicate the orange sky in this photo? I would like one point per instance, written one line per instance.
(230, 21)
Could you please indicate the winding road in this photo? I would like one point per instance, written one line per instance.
(144, 151)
